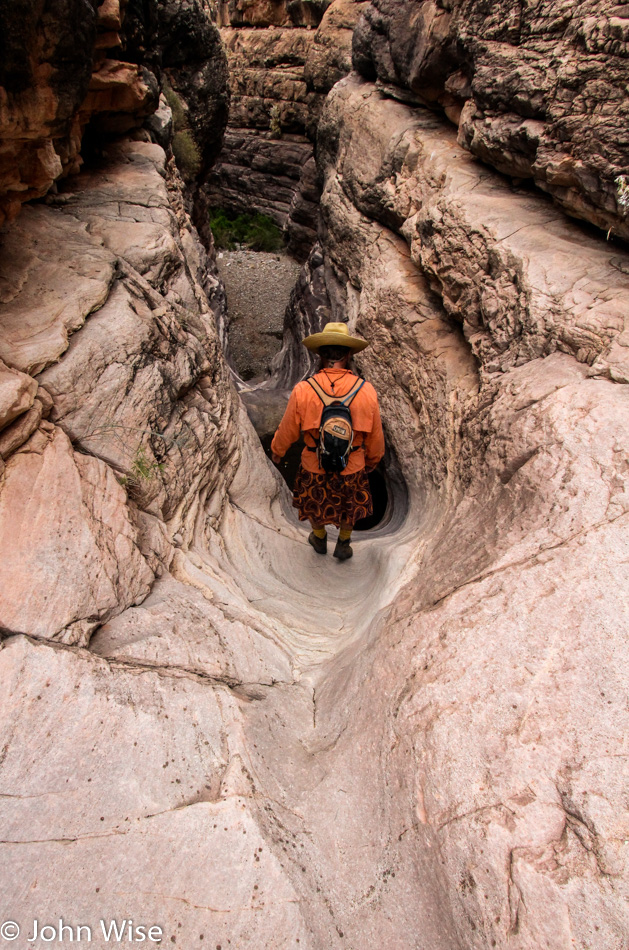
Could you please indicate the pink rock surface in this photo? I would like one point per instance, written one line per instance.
(73, 550)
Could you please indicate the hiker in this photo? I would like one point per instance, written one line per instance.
(342, 446)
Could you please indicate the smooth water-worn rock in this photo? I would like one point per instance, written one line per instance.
(509, 436)
(121, 342)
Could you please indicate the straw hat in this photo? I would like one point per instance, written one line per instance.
(334, 334)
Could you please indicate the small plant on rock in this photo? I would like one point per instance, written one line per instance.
(187, 154)
(185, 149)
(275, 125)
(622, 192)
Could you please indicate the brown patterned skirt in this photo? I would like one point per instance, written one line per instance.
(332, 498)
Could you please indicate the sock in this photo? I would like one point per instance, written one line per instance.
(319, 532)
(345, 534)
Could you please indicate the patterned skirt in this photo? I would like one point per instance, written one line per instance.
(332, 498)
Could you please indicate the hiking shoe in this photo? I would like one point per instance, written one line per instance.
(319, 544)
(343, 550)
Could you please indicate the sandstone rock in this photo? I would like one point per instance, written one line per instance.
(57, 81)
(426, 742)
(330, 56)
(512, 463)
(194, 60)
(527, 283)
(19, 431)
(160, 124)
(258, 174)
(127, 391)
(43, 249)
(178, 627)
(301, 223)
(266, 68)
(265, 13)
(65, 502)
(45, 71)
(17, 392)
(157, 785)
(521, 83)
(119, 97)
(307, 313)
(265, 163)
(279, 77)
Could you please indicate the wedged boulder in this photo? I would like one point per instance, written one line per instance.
(81, 563)
(120, 95)
(330, 56)
(192, 55)
(521, 84)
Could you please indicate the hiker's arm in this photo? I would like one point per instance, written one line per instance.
(288, 430)
(374, 441)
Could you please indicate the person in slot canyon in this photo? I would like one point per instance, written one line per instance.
(338, 414)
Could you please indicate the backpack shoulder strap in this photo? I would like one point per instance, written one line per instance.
(347, 400)
(325, 398)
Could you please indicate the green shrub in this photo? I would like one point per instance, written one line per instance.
(256, 231)
(180, 119)
(187, 154)
(185, 149)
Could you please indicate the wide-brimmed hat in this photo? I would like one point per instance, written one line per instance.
(334, 334)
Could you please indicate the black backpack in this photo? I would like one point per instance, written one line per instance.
(336, 434)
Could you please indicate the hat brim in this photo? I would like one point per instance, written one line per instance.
(330, 338)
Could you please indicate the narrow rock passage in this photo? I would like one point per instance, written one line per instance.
(321, 603)
(331, 824)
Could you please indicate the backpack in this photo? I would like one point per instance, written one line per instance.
(336, 434)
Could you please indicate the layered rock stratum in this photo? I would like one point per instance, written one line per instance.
(537, 90)
(209, 728)
(283, 60)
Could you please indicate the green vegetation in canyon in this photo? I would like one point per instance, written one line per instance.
(255, 231)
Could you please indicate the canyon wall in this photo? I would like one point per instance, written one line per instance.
(499, 349)
(537, 90)
(283, 59)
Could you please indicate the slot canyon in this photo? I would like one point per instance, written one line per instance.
(205, 727)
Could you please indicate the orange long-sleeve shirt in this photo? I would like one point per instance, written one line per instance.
(303, 414)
